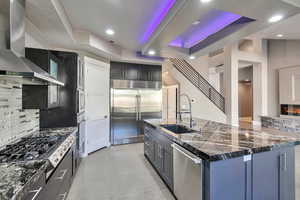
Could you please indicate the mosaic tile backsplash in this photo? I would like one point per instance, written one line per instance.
(282, 124)
(15, 122)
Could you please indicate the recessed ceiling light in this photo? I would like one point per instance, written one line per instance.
(151, 52)
(192, 57)
(206, 1)
(279, 35)
(276, 18)
(196, 22)
(110, 32)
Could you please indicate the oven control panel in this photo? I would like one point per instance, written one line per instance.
(59, 153)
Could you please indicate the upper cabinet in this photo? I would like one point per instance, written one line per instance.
(44, 59)
(139, 72)
(43, 97)
(289, 85)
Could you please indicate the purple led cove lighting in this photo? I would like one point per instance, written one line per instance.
(211, 23)
(160, 14)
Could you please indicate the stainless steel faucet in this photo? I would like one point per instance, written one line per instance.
(186, 111)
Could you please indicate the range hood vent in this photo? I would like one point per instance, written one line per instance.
(13, 64)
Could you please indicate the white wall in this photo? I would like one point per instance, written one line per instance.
(282, 53)
(201, 64)
(202, 107)
(233, 56)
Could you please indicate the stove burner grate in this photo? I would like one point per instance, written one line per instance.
(29, 148)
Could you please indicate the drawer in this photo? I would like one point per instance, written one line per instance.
(65, 186)
(58, 178)
(37, 190)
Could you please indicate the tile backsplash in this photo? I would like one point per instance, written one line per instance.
(15, 122)
(282, 124)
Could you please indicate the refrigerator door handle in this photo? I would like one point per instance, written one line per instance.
(137, 108)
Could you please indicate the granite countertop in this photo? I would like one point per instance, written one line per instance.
(56, 131)
(16, 178)
(214, 141)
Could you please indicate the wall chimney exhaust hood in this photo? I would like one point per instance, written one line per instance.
(13, 64)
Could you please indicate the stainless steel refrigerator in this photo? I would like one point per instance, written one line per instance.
(131, 103)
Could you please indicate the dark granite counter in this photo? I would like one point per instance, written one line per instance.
(16, 178)
(215, 141)
(57, 131)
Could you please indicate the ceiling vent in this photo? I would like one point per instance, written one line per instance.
(293, 2)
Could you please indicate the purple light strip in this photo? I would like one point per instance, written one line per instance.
(157, 19)
(215, 21)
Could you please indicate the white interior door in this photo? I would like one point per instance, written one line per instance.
(97, 104)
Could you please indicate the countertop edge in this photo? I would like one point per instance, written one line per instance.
(223, 156)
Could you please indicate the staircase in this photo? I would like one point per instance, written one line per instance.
(199, 82)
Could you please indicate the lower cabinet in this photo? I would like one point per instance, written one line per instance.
(37, 190)
(60, 181)
(158, 150)
(274, 175)
(262, 176)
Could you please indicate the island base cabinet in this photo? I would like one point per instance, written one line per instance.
(261, 176)
(227, 179)
(158, 150)
(274, 175)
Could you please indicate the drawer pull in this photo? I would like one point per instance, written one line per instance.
(63, 174)
(63, 196)
(37, 192)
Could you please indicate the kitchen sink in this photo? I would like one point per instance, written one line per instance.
(177, 129)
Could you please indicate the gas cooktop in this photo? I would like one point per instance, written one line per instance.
(29, 148)
(52, 148)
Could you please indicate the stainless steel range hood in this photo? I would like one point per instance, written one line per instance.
(13, 64)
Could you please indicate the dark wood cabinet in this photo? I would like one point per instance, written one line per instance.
(37, 190)
(60, 181)
(132, 72)
(117, 71)
(158, 150)
(58, 106)
(138, 72)
(43, 97)
(42, 58)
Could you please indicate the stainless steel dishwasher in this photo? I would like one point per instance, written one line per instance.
(187, 174)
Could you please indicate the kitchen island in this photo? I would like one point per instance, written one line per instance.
(230, 163)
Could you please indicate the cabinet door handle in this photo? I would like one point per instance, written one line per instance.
(63, 196)
(37, 192)
(284, 160)
(63, 175)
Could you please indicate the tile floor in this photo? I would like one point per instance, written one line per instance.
(118, 173)
(122, 173)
